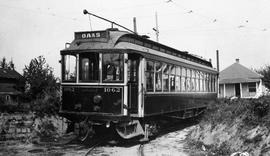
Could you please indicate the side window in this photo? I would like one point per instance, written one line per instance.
(206, 83)
(212, 83)
(165, 75)
(193, 82)
(184, 79)
(178, 79)
(201, 81)
(173, 79)
(188, 87)
(149, 74)
(158, 76)
(197, 81)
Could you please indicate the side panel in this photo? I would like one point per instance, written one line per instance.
(103, 99)
(167, 103)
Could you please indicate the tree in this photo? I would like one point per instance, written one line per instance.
(265, 72)
(39, 77)
(5, 65)
(43, 91)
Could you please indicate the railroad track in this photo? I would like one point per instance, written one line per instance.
(96, 142)
(100, 141)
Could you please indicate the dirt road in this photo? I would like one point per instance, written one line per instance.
(169, 144)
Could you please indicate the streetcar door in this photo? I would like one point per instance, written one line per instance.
(133, 67)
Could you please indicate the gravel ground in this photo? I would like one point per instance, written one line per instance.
(167, 145)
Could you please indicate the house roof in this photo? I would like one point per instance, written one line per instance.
(9, 89)
(10, 74)
(237, 73)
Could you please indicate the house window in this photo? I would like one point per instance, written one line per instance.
(252, 87)
(7, 97)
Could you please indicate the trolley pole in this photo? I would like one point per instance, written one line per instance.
(112, 23)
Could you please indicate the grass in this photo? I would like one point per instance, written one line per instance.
(250, 112)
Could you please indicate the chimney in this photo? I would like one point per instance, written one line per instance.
(237, 60)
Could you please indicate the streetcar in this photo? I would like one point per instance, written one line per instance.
(125, 80)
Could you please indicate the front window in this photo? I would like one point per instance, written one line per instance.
(89, 70)
(69, 68)
(112, 67)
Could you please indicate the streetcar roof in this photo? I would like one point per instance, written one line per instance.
(108, 39)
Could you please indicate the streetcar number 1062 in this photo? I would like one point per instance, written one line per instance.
(112, 90)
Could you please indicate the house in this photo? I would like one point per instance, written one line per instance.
(239, 81)
(11, 84)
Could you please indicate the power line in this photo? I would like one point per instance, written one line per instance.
(215, 20)
(40, 12)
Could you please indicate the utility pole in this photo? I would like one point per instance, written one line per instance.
(217, 60)
(217, 55)
(156, 28)
(135, 25)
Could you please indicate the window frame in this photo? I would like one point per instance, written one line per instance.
(150, 72)
(158, 74)
(63, 62)
(252, 87)
(123, 68)
(81, 57)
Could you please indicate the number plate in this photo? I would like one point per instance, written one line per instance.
(112, 90)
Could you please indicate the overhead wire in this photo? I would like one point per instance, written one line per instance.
(37, 11)
(214, 19)
(187, 11)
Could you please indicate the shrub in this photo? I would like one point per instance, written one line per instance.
(46, 105)
(252, 111)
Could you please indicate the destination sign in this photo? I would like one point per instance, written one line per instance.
(91, 35)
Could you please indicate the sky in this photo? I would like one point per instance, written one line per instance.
(238, 29)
